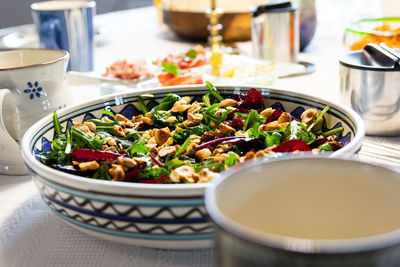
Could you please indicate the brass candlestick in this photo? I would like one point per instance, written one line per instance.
(215, 39)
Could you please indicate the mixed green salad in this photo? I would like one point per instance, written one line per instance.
(185, 141)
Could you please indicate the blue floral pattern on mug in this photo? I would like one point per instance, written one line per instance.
(33, 90)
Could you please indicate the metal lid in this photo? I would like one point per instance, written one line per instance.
(274, 7)
(374, 57)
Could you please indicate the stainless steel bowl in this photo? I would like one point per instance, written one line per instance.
(370, 84)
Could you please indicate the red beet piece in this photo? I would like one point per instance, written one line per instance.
(132, 174)
(274, 116)
(156, 161)
(83, 155)
(237, 123)
(291, 146)
(155, 181)
(254, 100)
(317, 142)
(208, 137)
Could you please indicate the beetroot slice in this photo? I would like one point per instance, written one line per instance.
(317, 142)
(83, 155)
(291, 146)
(156, 161)
(274, 116)
(237, 123)
(159, 180)
(132, 174)
(253, 100)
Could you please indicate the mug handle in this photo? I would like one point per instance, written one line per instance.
(11, 161)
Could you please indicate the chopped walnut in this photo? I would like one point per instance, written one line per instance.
(148, 121)
(119, 131)
(195, 139)
(221, 157)
(120, 117)
(183, 173)
(91, 125)
(194, 107)
(171, 119)
(162, 136)
(180, 106)
(190, 150)
(225, 129)
(284, 117)
(228, 103)
(260, 153)
(273, 125)
(249, 155)
(193, 119)
(110, 141)
(221, 148)
(203, 154)
(266, 112)
(308, 116)
(165, 151)
(117, 172)
(186, 99)
(205, 175)
(126, 162)
(89, 166)
(84, 128)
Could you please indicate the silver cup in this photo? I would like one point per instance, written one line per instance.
(275, 32)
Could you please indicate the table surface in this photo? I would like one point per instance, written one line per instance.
(30, 235)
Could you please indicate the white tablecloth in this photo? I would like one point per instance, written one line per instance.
(30, 235)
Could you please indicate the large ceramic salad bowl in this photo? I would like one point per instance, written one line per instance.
(153, 215)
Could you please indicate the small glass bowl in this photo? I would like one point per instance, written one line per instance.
(383, 30)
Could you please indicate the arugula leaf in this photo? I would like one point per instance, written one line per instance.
(152, 173)
(68, 147)
(133, 136)
(231, 160)
(180, 136)
(102, 126)
(167, 103)
(333, 131)
(325, 147)
(170, 68)
(297, 132)
(210, 164)
(214, 92)
(57, 124)
(137, 150)
(174, 163)
(109, 113)
(253, 131)
(183, 147)
(271, 138)
(252, 119)
(206, 100)
(143, 106)
(102, 173)
(81, 140)
(318, 118)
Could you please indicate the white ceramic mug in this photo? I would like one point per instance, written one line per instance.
(34, 86)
